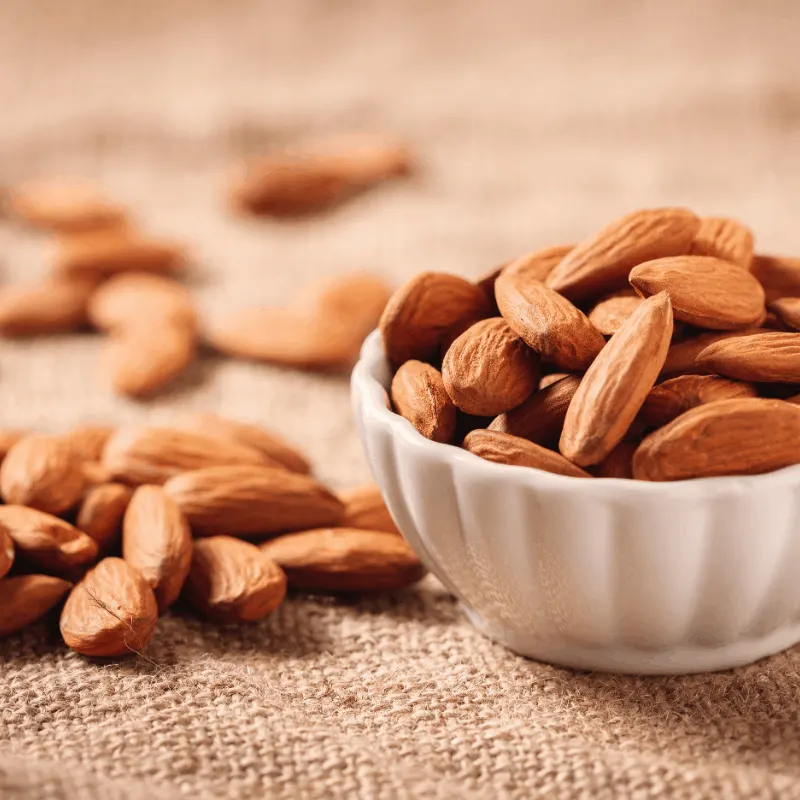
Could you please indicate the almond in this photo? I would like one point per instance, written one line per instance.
(419, 395)
(232, 581)
(156, 541)
(267, 442)
(610, 312)
(618, 463)
(724, 238)
(671, 398)
(486, 283)
(6, 552)
(252, 501)
(547, 322)
(602, 262)
(345, 560)
(25, 599)
(780, 276)
(682, 356)
(705, 291)
(44, 541)
(153, 455)
(739, 437)
(772, 322)
(364, 508)
(762, 358)
(541, 417)
(419, 315)
(88, 441)
(8, 438)
(489, 369)
(55, 305)
(42, 472)
(101, 512)
(787, 309)
(538, 264)
(503, 448)
(111, 612)
(95, 473)
(615, 386)
(553, 377)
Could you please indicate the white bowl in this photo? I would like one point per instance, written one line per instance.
(602, 574)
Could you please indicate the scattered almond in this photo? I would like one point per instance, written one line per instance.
(364, 508)
(418, 394)
(24, 599)
(101, 512)
(55, 305)
(724, 238)
(610, 312)
(771, 357)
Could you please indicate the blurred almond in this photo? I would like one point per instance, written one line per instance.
(771, 357)
(8, 438)
(95, 473)
(682, 356)
(233, 581)
(364, 508)
(101, 512)
(111, 612)
(787, 309)
(610, 312)
(25, 599)
(724, 238)
(88, 441)
(55, 305)
(6, 552)
(419, 395)
(779, 275)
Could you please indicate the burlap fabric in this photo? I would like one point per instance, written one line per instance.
(537, 121)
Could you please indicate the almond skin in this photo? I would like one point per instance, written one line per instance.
(538, 264)
(418, 394)
(42, 472)
(705, 291)
(419, 315)
(251, 501)
(364, 508)
(101, 512)
(677, 395)
(787, 309)
(763, 358)
(46, 542)
(88, 441)
(779, 275)
(25, 599)
(111, 612)
(503, 448)
(153, 455)
(489, 369)
(724, 238)
(615, 386)
(602, 262)
(233, 581)
(55, 305)
(739, 437)
(8, 438)
(541, 417)
(345, 560)
(682, 356)
(551, 378)
(6, 552)
(156, 541)
(610, 312)
(618, 463)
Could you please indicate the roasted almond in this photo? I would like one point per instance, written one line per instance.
(345, 560)
(615, 386)
(541, 417)
(762, 358)
(6, 552)
(111, 612)
(677, 395)
(602, 262)
(364, 508)
(233, 581)
(46, 542)
(618, 463)
(101, 512)
(55, 305)
(682, 356)
(787, 309)
(25, 599)
(489, 369)
(779, 275)
(419, 315)
(705, 291)
(724, 238)
(419, 395)
(252, 501)
(156, 540)
(503, 448)
(538, 264)
(153, 455)
(610, 312)
(88, 441)
(727, 437)
(42, 472)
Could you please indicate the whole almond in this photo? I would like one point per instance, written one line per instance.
(95, 473)
(111, 612)
(419, 315)
(503, 448)
(101, 512)
(724, 238)
(486, 283)
(615, 386)
(419, 395)
(345, 560)
(267, 442)
(551, 378)
(602, 262)
(779, 275)
(541, 417)
(233, 581)
(787, 309)
(55, 305)
(763, 358)
(153, 455)
(88, 441)
(677, 395)
(548, 322)
(252, 501)
(42, 472)
(610, 312)
(706, 292)
(538, 264)
(682, 356)
(364, 508)
(728, 437)
(156, 540)
(6, 552)
(46, 542)
(772, 322)
(489, 369)
(618, 463)
(25, 599)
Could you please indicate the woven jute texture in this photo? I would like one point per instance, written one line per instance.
(536, 122)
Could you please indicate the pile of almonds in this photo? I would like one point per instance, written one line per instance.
(123, 523)
(660, 348)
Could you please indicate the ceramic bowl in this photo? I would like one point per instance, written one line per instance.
(602, 574)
